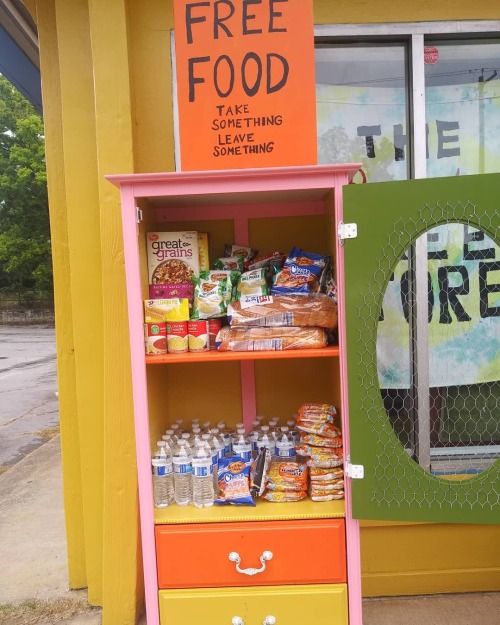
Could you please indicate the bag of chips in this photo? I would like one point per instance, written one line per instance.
(210, 298)
(234, 487)
(320, 441)
(283, 497)
(252, 283)
(247, 253)
(229, 263)
(230, 279)
(320, 475)
(287, 476)
(319, 429)
(301, 273)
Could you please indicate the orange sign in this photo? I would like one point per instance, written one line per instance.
(245, 83)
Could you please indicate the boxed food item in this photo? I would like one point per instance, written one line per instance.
(203, 253)
(173, 257)
(169, 291)
(156, 310)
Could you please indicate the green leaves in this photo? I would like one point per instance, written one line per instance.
(25, 255)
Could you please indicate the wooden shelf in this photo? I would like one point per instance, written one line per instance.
(216, 356)
(263, 511)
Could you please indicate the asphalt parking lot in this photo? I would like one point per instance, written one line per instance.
(29, 413)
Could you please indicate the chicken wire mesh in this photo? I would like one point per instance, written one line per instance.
(439, 380)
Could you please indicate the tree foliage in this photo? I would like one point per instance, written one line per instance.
(25, 253)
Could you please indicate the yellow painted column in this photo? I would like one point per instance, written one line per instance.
(78, 141)
(114, 116)
(68, 405)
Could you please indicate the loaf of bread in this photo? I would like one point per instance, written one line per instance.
(265, 339)
(286, 310)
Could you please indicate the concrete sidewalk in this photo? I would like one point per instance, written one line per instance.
(33, 563)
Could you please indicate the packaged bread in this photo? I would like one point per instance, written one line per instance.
(269, 339)
(286, 310)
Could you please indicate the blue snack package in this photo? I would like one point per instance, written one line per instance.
(234, 488)
(301, 273)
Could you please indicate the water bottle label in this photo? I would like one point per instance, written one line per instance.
(202, 471)
(245, 454)
(160, 471)
(285, 453)
(183, 468)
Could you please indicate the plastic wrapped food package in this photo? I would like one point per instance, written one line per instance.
(269, 339)
(286, 310)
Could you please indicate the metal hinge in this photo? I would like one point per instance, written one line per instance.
(139, 215)
(347, 231)
(354, 471)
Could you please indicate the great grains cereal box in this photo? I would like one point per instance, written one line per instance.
(173, 257)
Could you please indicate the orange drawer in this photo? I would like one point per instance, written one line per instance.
(301, 552)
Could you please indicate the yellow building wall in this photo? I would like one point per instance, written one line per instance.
(107, 94)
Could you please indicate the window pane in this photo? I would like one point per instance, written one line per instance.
(462, 93)
(361, 98)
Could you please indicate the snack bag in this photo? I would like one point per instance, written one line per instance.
(319, 475)
(219, 275)
(287, 476)
(320, 441)
(234, 486)
(330, 497)
(258, 472)
(229, 263)
(321, 457)
(266, 261)
(319, 429)
(209, 299)
(283, 497)
(323, 488)
(301, 273)
(252, 283)
(317, 409)
(247, 253)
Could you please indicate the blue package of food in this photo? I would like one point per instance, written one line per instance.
(301, 273)
(234, 487)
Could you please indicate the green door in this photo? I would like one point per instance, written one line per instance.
(423, 348)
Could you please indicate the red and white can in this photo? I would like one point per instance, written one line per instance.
(155, 338)
(177, 337)
(198, 336)
(214, 325)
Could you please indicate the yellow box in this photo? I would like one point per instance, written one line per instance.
(203, 253)
(157, 310)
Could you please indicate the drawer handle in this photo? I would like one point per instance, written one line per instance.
(237, 620)
(235, 557)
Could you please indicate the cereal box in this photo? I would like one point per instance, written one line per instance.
(204, 257)
(173, 257)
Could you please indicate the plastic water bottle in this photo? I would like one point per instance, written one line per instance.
(243, 447)
(163, 476)
(217, 444)
(182, 461)
(226, 437)
(285, 447)
(203, 481)
(265, 440)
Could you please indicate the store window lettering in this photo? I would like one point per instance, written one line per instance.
(447, 133)
(450, 284)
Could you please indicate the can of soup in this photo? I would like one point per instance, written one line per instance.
(177, 337)
(155, 338)
(198, 336)
(214, 325)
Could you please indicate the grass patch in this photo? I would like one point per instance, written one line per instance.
(35, 611)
